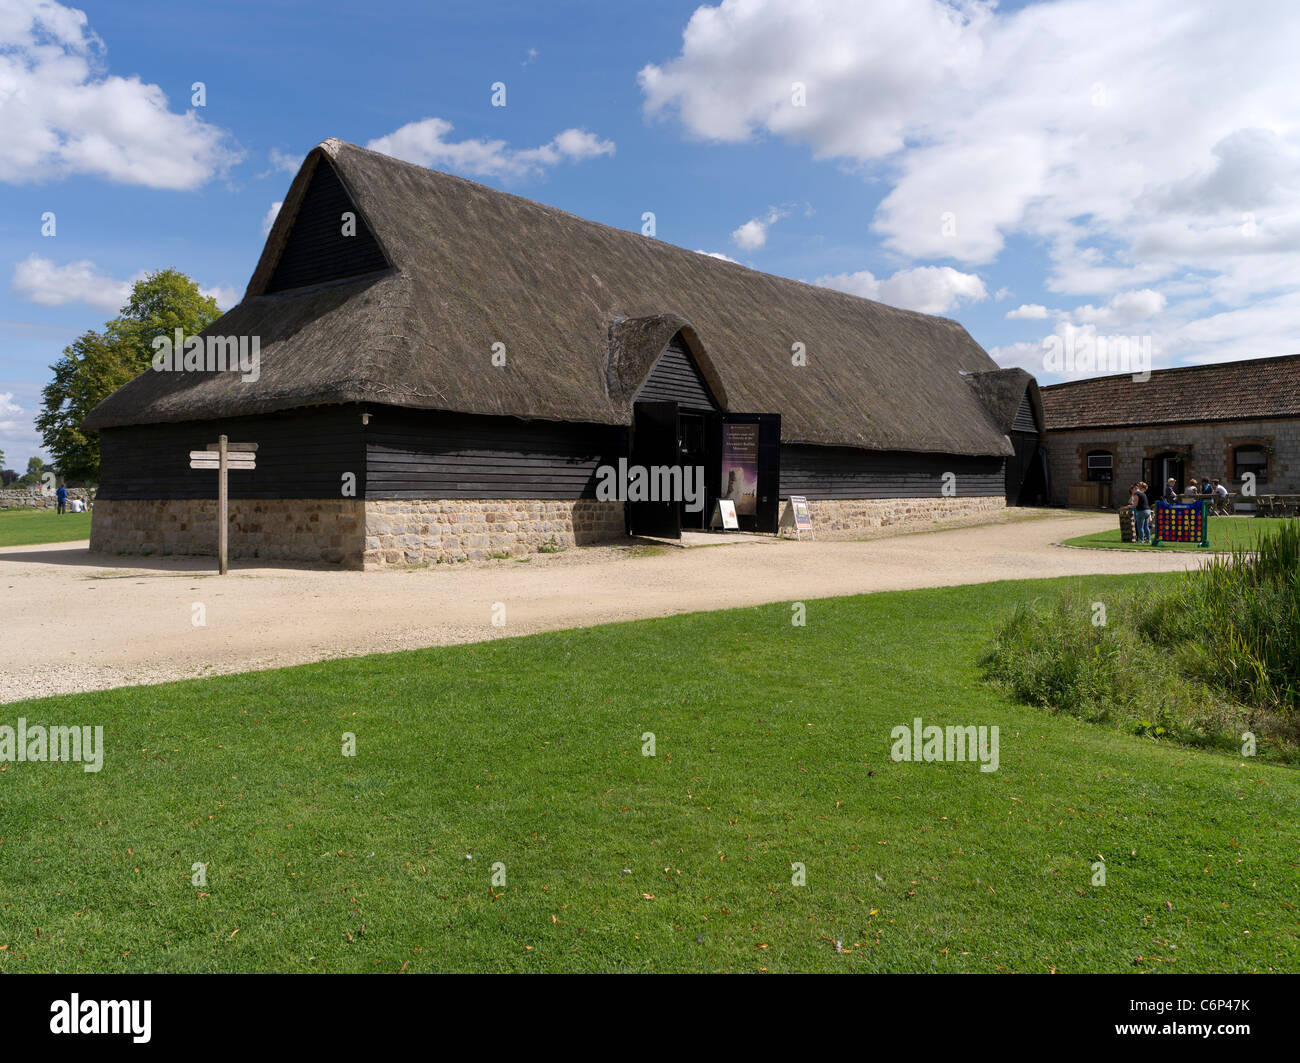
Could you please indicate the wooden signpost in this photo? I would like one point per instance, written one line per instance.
(223, 456)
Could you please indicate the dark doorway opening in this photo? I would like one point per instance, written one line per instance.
(693, 450)
(1157, 470)
(1023, 474)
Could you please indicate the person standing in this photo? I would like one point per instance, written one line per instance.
(1171, 491)
(1141, 513)
(61, 496)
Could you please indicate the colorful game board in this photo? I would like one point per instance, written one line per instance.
(1181, 523)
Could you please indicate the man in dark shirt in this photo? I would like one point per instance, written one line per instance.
(61, 496)
(1171, 491)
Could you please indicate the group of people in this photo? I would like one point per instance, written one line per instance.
(1140, 503)
(75, 505)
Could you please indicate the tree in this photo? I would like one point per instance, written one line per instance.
(98, 363)
(35, 470)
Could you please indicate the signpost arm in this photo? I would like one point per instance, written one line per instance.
(222, 507)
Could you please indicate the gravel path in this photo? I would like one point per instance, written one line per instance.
(70, 621)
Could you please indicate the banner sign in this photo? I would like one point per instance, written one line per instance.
(1181, 523)
(740, 466)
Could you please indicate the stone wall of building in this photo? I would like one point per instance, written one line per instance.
(35, 498)
(418, 531)
(319, 531)
(843, 518)
(1209, 448)
(379, 533)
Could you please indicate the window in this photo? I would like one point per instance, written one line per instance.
(1101, 466)
(1250, 459)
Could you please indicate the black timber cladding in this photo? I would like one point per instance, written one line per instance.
(1024, 421)
(675, 378)
(843, 472)
(301, 454)
(316, 250)
(418, 454)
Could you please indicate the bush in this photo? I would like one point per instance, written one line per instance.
(1217, 656)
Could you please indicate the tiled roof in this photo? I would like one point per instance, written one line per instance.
(1228, 391)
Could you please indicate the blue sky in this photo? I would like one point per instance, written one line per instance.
(1094, 167)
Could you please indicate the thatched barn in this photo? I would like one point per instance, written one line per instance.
(446, 369)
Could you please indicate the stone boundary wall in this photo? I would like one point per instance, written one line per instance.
(411, 531)
(34, 498)
(313, 530)
(380, 533)
(844, 518)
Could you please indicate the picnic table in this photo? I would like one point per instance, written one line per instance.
(1277, 506)
(1215, 506)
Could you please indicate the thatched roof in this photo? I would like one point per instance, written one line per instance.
(1000, 390)
(582, 309)
(1250, 390)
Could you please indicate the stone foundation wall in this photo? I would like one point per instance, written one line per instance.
(35, 498)
(315, 530)
(418, 531)
(843, 518)
(378, 533)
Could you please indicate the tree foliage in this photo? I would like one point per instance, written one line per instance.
(97, 363)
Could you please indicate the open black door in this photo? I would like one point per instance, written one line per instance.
(749, 447)
(769, 473)
(655, 442)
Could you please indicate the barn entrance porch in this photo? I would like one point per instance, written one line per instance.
(739, 456)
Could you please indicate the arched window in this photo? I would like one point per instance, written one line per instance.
(1100, 466)
(1250, 458)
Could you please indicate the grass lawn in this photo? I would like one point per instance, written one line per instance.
(27, 527)
(772, 746)
(1225, 533)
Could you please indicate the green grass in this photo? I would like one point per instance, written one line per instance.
(1226, 534)
(772, 747)
(28, 527)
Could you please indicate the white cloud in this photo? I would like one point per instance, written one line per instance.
(282, 162)
(1125, 308)
(753, 234)
(1150, 147)
(424, 143)
(929, 289)
(269, 218)
(716, 254)
(224, 294)
(41, 281)
(62, 114)
(1027, 312)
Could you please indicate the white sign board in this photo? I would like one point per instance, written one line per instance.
(724, 514)
(796, 517)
